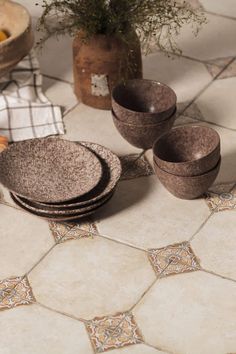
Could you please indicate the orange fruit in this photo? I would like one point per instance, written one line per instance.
(3, 36)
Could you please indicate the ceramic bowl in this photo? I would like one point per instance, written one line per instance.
(20, 40)
(188, 150)
(140, 136)
(143, 102)
(187, 187)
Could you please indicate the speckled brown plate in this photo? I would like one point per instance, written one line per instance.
(56, 212)
(111, 167)
(64, 218)
(49, 170)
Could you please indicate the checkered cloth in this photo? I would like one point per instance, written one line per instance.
(25, 112)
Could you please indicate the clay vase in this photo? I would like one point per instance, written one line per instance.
(100, 63)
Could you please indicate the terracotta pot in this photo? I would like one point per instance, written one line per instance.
(101, 63)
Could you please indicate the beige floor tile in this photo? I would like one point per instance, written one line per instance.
(226, 7)
(34, 10)
(5, 196)
(190, 313)
(88, 124)
(24, 240)
(186, 77)
(216, 243)
(89, 278)
(217, 104)
(55, 90)
(144, 214)
(215, 40)
(138, 349)
(32, 329)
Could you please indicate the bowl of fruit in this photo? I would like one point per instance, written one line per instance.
(16, 37)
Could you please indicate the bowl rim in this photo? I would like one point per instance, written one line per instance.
(217, 166)
(144, 80)
(144, 125)
(190, 127)
(28, 25)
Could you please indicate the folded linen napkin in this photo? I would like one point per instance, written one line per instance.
(25, 112)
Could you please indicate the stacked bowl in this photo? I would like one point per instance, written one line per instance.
(143, 110)
(59, 180)
(187, 160)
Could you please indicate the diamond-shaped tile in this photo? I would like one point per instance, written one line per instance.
(66, 232)
(173, 259)
(222, 198)
(215, 66)
(15, 292)
(113, 332)
(230, 71)
(134, 166)
(193, 112)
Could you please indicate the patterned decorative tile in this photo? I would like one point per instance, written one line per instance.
(15, 292)
(174, 259)
(134, 166)
(113, 332)
(229, 72)
(66, 232)
(193, 112)
(215, 66)
(222, 198)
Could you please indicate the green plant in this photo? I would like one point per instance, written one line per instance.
(155, 21)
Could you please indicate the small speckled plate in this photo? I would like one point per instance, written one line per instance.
(62, 218)
(111, 168)
(49, 170)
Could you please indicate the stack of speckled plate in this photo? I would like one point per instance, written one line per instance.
(59, 180)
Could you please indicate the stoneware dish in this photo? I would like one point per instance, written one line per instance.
(143, 102)
(49, 170)
(188, 150)
(140, 136)
(16, 23)
(111, 172)
(187, 187)
(56, 212)
(60, 218)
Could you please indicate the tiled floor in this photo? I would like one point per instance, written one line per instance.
(150, 274)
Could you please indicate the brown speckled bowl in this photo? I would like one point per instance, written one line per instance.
(143, 102)
(15, 21)
(140, 136)
(188, 150)
(187, 187)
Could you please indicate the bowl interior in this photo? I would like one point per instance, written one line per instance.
(14, 19)
(186, 144)
(144, 96)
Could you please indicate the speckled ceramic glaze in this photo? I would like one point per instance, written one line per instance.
(56, 212)
(187, 187)
(140, 136)
(111, 172)
(143, 102)
(188, 150)
(49, 170)
(60, 218)
(20, 39)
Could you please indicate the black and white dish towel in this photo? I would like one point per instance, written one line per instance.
(25, 112)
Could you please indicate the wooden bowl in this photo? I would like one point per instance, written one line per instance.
(16, 22)
(143, 102)
(188, 150)
(187, 187)
(140, 136)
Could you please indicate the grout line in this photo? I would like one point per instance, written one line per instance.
(218, 275)
(158, 348)
(220, 15)
(201, 226)
(60, 312)
(70, 110)
(57, 79)
(37, 263)
(122, 243)
(209, 122)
